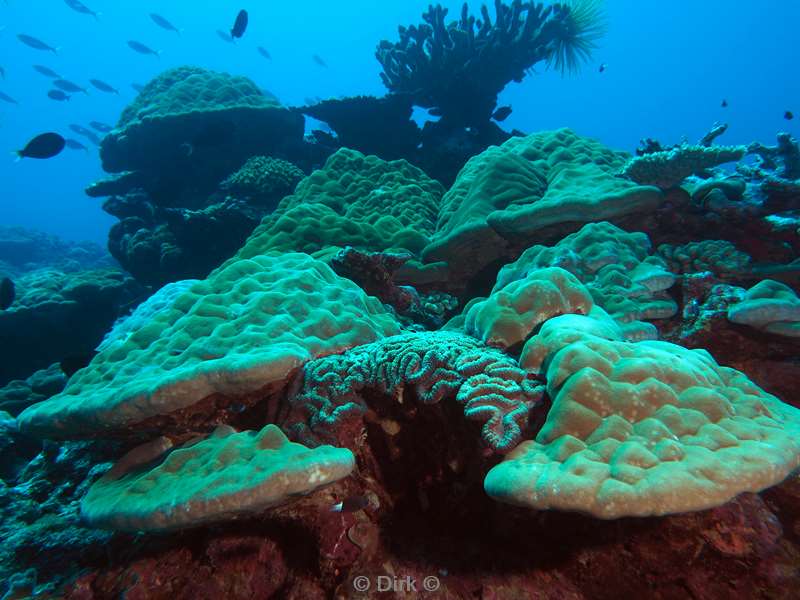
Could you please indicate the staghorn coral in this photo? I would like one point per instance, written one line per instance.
(489, 385)
(645, 428)
(219, 478)
(667, 169)
(460, 67)
(212, 341)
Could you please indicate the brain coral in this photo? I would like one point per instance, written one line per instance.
(224, 476)
(638, 429)
(512, 191)
(356, 200)
(189, 108)
(248, 325)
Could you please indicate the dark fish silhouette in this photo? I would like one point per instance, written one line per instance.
(47, 72)
(224, 36)
(103, 86)
(92, 137)
(37, 44)
(80, 130)
(501, 114)
(240, 25)
(102, 127)
(7, 98)
(263, 52)
(602, 67)
(788, 115)
(7, 293)
(141, 48)
(81, 8)
(75, 362)
(70, 87)
(58, 95)
(163, 23)
(351, 504)
(318, 59)
(45, 145)
(724, 104)
(74, 144)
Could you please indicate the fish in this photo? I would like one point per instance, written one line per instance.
(351, 504)
(163, 23)
(2, 72)
(104, 87)
(44, 145)
(141, 48)
(37, 44)
(264, 52)
(788, 115)
(224, 36)
(602, 68)
(75, 362)
(92, 137)
(318, 59)
(58, 95)
(74, 144)
(240, 25)
(6, 98)
(501, 114)
(7, 293)
(724, 103)
(46, 71)
(102, 127)
(137, 86)
(80, 7)
(80, 130)
(68, 86)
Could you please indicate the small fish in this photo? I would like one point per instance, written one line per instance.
(163, 23)
(318, 59)
(788, 115)
(92, 137)
(602, 68)
(137, 86)
(7, 98)
(104, 87)
(81, 8)
(351, 504)
(224, 36)
(44, 145)
(68, 86)
(7, 293)
(37, 44)
(264, 52)
(79, 129)
(501, 114)
(47, 72)
(58, 95)
(724, 103)
(141, 48)
(101, 127)
(74, 144)
(75, 362)
(240, 25)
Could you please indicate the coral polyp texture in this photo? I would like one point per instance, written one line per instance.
(770, 306)
(355, 200)
(667, 169)
(530, 187)
(219, 478)
(647, 428)
(263, 180)
(248, 326)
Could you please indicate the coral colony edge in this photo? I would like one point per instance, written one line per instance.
(390, 359)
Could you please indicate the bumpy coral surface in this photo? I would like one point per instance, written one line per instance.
(513, 191)
(356, 200)
(263, 179)
(249, 325)
(771, 306)
(645, 428)
(219, 478)
(669, 168)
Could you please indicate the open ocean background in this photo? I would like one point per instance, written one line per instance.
(669, 66)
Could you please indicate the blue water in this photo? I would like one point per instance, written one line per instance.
(670, 64)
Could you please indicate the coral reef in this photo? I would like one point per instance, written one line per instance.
(23, 250)
(263, 180)
(667, 169)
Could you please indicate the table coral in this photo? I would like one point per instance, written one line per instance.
(668, 169)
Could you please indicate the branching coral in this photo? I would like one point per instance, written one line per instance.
(491, 387)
